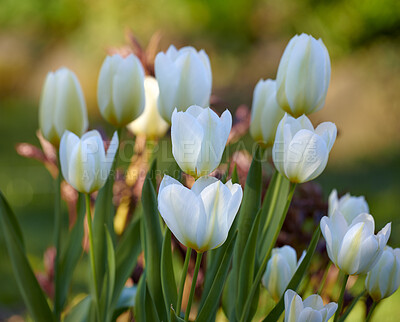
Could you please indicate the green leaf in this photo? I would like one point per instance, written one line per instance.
(235, 176)
(167, 272)
(145, 309)
(174, 317)
(81, 311)
(351, 306)
(211, 303)
(28, 285)
(125, 302)
(297, 277)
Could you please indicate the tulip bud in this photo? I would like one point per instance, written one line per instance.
(120, 89)
(84, 163)
(280, 269)
(200, 217)
(150, 123)
(198, 139)
(303, 76)
(349, 206)
(384, 278)
(62, 106)
(265, 112)
(185, 79)
(301, 153)
(312, 309)
(353, 248)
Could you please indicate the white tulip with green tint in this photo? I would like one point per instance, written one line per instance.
(384, 278)
(198, 138)
(120, 89)
(349, 206)
(353, 248)
(300, 152)
(62, 106)
(200, 217)
(85, 164)
(185, 79)
(312, 309)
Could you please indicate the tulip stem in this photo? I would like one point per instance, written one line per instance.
(91, 251)
(273, 203)
(324, 278)
(192, 289)
(371, 310)
(183, 279)
(57, 241)
(341, 296)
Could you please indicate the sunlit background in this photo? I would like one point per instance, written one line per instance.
(244, 40)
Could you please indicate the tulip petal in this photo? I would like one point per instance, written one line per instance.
(310, 315)
(328, 131)
(202, 183)
(293, 306)
(314, 301)
(68, 142)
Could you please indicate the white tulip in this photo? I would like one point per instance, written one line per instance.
(303, 76)
(349, 206)
(265, 112)
(150, 123)
(120, 89)
(384, 278)
(201, 217)
(62, 106)
(280, 269)
(198, 139)
(301, 153)
(185, 79)
(353, 248)
(312, 309)
(84, 163)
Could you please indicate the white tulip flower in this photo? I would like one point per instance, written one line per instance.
(303, 76)
(353, 248)
(384, 278)
(198, 139)
(62, 106)
(301, 153)
(120, 89)
(185, 79)
(265, 112)
(349, 206)
(200, 217)
(84, 163)
(150, 123)
(280, 269)
(312, 309)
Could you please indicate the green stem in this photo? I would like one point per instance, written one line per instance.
(341, 296)
(57, 240)
(261, 270)
(351, 306)
(371, 310)
(183, 279)
(91, 251)
(273, 203)
(324, 278)
(192, 289)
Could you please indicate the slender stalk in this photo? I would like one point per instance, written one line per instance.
(273, 203)
(371, 310)
(183, 279)
(192, 289)
(341, 296)
(351, 306)
(324, 278)
(261, 270)
(57, 241)
(91, 251)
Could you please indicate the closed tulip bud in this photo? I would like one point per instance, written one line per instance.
(349, 206)
(312, 309)
(62, 106)
(303, 76)
(198, 139)
(265, 112)
(200, 217)
(280, 269)
(185, 79)
(84, 163)
(353, 248)
(120, 89)
(150, 123)
(301, 153)
(384, 278)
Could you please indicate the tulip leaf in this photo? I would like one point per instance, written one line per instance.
(153, 243)
(81, 311)
(211, 302)
(174, 317)
(167, 272)
(235, 176)
(125, 302)
(297, 277)
(28, 285)
(145, 309)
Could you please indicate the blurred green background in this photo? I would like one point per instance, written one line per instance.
(244, 39)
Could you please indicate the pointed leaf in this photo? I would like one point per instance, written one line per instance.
(167, 272)
(81, 311)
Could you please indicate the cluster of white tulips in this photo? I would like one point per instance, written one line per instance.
(233, 226)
